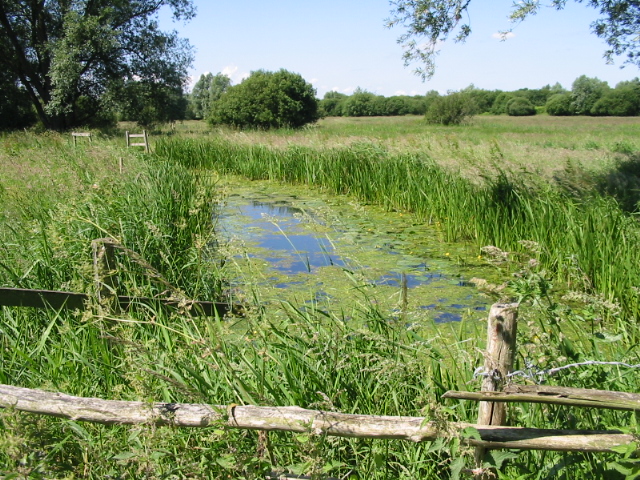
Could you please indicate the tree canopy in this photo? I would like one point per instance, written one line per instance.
(427, 22)
(67, 54)
(208, 89)
(267, 100)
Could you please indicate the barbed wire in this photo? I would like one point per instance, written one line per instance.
(538, 375)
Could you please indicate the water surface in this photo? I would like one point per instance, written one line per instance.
(292, 244)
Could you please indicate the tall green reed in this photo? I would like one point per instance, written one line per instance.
(586, 241)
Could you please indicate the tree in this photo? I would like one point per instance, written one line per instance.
(15, 108)
(429, 98)
(585, 92)
(199, 98)
(560, 105)
(361, 104)
(267, 100)
(482, 99)
(69, 53)
(148, 103)
(499, 106)
(622, 101)
(219, 84)
(208, 89)
(331, 104)
(520, 107)
(428, 22)
(452, 109)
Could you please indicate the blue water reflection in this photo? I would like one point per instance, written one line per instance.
(285, 243)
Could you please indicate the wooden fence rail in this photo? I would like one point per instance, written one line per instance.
(574, 397)
(296, 419)
(21, 297)
(105, 279)
(75, 136)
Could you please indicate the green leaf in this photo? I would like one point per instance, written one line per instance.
(456, 468)
(625, 449)
(471, 432)
(497, 458)
(226, 461)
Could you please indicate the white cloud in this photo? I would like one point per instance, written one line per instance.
(503, 35)
(233, 72)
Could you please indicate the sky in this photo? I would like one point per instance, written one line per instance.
(341, 45)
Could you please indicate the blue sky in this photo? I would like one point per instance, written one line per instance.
(343, 44)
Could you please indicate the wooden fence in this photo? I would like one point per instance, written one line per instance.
(76, 135)
(105, 279)
(490, 431)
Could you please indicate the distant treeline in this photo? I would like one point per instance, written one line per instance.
(588, 96)
(366, 104)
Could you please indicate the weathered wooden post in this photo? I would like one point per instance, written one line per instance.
(498, 362)
(104, 272)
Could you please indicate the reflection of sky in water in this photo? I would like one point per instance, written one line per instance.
(279, 229)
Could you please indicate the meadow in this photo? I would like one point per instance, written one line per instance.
(554, 197)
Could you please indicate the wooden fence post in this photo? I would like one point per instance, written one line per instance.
(498, 362)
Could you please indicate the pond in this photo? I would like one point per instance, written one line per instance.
(293, 244)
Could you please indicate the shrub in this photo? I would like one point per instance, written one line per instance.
(452, 109)
(267, 100)
(624, 102)
(331, 104)
(560, 105)
(361, 104)
(520, 107)
(499, 106)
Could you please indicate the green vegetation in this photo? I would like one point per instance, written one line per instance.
(367, 104)
(72, 59)
(520, 107)
(208, 89)
(453, 109)
(266, 100)
(563, 242)
(588, 96)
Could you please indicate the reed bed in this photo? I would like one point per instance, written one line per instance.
(583, 238)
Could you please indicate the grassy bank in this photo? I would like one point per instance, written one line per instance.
(57, 199)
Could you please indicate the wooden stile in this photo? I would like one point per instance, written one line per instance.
(75, 135)
(144, 143)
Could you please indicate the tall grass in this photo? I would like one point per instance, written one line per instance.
(353, 361)
(586, 241)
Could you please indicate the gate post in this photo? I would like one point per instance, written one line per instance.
(498, 362)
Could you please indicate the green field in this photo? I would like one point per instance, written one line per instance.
(556, 197)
